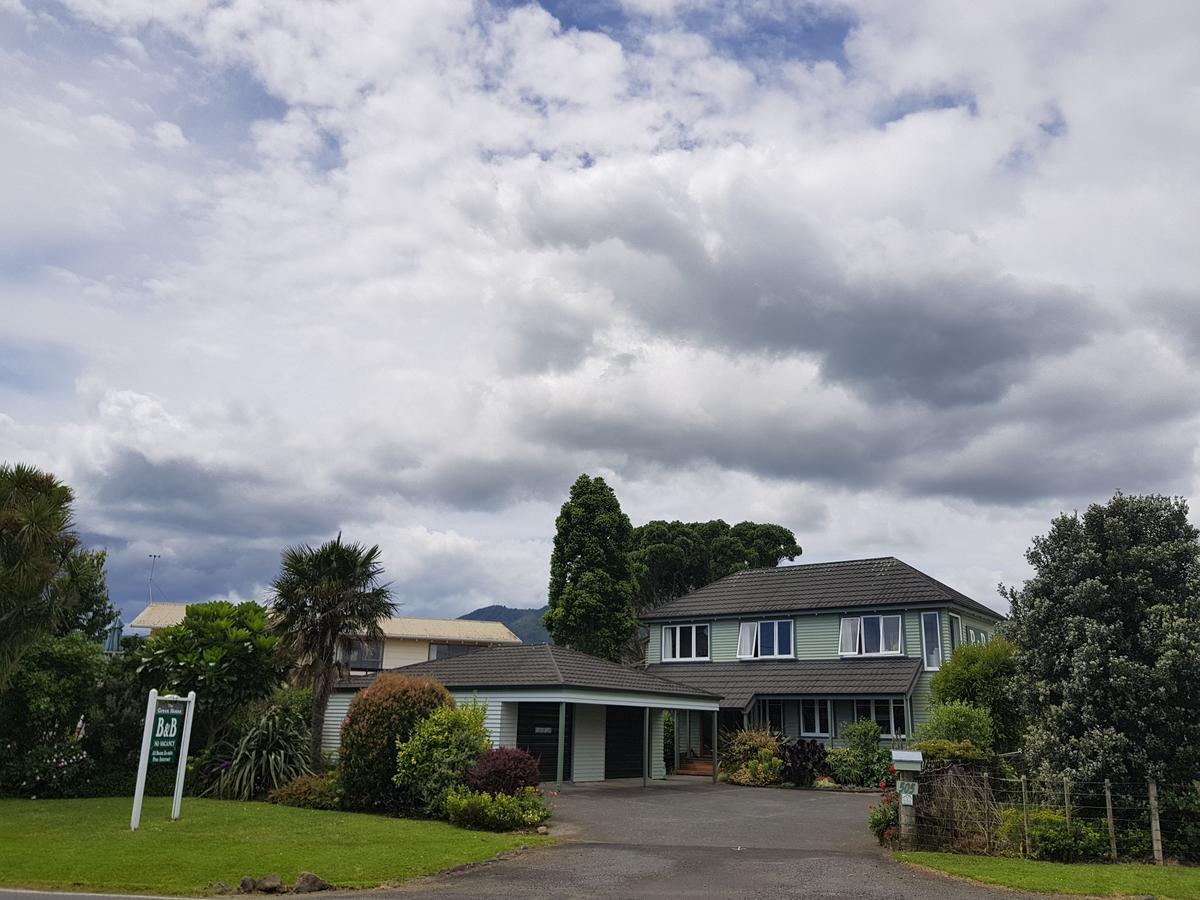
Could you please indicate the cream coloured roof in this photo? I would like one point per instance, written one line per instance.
(162, 615)
(159, 615)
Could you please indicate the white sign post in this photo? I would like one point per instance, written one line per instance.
(165, 739)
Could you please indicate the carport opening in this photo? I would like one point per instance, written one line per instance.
(537, 735)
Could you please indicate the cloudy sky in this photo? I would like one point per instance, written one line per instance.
(909, 278)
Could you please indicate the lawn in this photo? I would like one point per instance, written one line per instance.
(1093, 879)
(87, 845)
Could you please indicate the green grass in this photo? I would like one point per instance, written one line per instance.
(87, 845)
(1093, 879)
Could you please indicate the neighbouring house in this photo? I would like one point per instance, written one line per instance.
(405, 640)
(806, 650)
(585, 719)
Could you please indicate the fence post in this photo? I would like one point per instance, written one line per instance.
(987, 815)
(1112, 827)
(1155, 831)
(1026, 849)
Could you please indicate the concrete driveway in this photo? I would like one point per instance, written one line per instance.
(690, 838)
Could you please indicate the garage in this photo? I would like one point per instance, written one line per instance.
(623, 742)
(537, 735)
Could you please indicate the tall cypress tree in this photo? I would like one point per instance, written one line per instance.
(591, 584)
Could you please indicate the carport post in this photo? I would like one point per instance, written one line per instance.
(716, 715)
(645, 745)
(562, 740)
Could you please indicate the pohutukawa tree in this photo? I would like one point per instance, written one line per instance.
(1107, 634)
(591, 581)
(322, 597)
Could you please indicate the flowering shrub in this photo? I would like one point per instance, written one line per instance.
(765, 769)
(495, 812)
(437, 757)
(884, 817)
(52, 767)
(504, 770)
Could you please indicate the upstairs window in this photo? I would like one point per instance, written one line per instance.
(684, 642)
(765, 640)
(362, 655)
(870, 636)
(931, 640)
(446, 651)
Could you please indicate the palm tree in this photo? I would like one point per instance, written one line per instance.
(323, 596)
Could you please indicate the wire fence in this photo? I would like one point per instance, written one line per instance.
(970, 810)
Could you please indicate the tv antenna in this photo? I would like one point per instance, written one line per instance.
(154, 557)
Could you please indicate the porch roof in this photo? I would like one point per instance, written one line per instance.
(738, 683)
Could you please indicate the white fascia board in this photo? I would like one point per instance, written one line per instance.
(577, 695)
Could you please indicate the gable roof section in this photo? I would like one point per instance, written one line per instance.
(737, 683)
(463, 631)
(883, 581)
(538, 666)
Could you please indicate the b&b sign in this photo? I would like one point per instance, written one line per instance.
(164, 740)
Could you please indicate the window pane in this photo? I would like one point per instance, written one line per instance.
(849, 642)
(669, 651)
(746, 638)
(955, 632)
(862, 709)
(766, 639)
(685, 642)
(775, 715)
(702, 640)
(823, 712)
(784, 638)
(891, 634)
(870, 634)
(808, 713)
(898, 717)
(883, 716)
(932, 634)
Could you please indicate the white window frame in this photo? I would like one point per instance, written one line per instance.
(958, 636)
(819, 704)
(861, 630)
(937, 616)
(692, 626)
(750, 643)
(891, 707)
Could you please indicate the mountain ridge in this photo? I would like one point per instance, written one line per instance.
(525, 623)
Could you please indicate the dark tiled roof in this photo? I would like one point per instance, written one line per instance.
(737, 683)
(885, 581)
(538, 665)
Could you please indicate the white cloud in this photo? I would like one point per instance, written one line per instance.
(405, 268)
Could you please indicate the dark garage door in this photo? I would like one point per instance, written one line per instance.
(623, 742)
(537, 735)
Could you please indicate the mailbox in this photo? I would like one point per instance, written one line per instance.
(907, 760)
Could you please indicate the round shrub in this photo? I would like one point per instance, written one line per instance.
(862, 761)
(958, 721)
(316, 791)
(380, 717)
(504, 770)
(496, 812)
(765, 769)
(437, 757)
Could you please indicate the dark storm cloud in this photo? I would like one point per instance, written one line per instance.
(774, 287)
(466, 482)
(185, 496)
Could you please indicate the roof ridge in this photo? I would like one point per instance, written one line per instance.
(550, 648)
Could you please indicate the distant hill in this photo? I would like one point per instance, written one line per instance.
(524, 623)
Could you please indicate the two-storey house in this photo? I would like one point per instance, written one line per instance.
(806, 650)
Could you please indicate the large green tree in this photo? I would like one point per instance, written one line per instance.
(670, 559)
(323, 597)
(591, 579)
(1107, 633)
(47, 583)
(220, 650)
